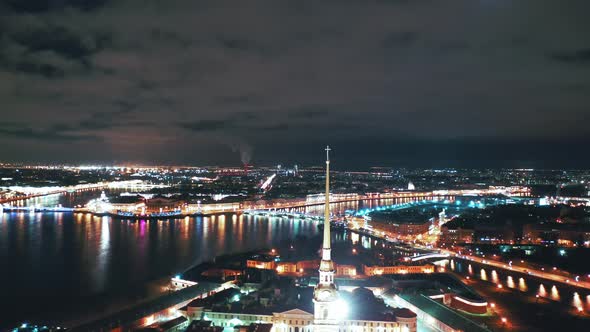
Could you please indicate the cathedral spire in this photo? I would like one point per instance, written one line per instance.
(326, 297)
(326, 247)
(326, 265)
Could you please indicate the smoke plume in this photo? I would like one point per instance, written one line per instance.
(244, 149)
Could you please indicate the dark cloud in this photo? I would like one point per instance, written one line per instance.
(150, 80)
(400, 39)
(39, 6)
(274, 127)
(237, 121)
(240, 99)
(309, 112)
(208, 125)
(580, 56)
(49, 49)
(236, 44)
(57, 133)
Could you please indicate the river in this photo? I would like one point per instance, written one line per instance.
(58, 265)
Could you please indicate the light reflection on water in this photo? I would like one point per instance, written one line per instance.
(510, 282)
(483, 275)
(522, 285)
(48, 256)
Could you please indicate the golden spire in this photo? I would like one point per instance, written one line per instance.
(327, 240)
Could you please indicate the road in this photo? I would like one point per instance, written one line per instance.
(527, 270)
(525, 312)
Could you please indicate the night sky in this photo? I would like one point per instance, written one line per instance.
(499, 83)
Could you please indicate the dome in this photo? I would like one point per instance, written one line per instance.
(405, 313)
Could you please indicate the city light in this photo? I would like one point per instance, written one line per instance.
(392, 251)
(340, 309)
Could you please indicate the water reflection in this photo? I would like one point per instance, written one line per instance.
(542, 291)
(510, 282)
(522, 285)
(554, 293)
(483, 274)
(75, 255)
(354, 238)
(577, 301)
(494, 276)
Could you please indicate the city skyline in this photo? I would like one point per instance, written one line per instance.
(401, 83)
(294, 250)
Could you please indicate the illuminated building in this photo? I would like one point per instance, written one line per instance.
(261, 262)
(209, 208)
(320, 198)
(455, 234)
(556, 233)
(397, 269)
(401, 227)
(287, 267)
(345, 270)
(103, 204)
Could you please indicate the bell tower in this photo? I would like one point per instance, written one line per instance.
(325, 295)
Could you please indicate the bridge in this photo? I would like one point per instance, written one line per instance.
(408, 196)
(283, 214)
(430, 256)
(290, 206)
(548, 284)
(32, 209)
(564, 199)
(394, 207)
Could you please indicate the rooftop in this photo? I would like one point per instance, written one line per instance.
(173, 323)
(443, 314)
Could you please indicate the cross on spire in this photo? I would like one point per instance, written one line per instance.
(328, 153)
